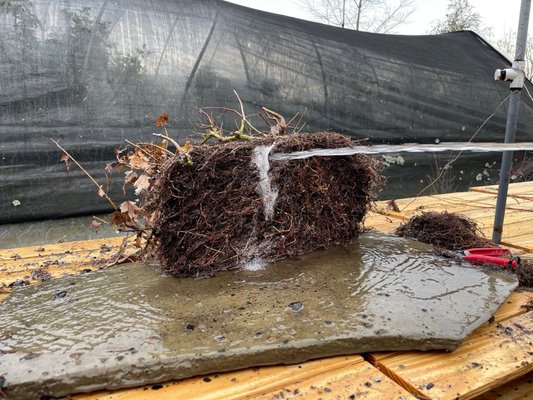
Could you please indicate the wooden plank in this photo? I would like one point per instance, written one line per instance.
(39, 263)
(381, 222)
(514, 306)
(525, 210)
(522, 236)
(236, 385)
(514, 188)
(519, 228)
(512, 221)
(509, 196)
(518, 190)
(464, 199)
(489, 358)
(362, 381)
(447, 198)
(519, 389)
(465, 207)
(49, 250)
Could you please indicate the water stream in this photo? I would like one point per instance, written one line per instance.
(407, 147)
(269, 194)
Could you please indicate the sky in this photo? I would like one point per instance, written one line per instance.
(494, 15)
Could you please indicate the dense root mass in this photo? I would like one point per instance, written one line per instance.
(212, 214)
(444, 230)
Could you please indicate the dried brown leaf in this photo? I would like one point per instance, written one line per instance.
(138, 240)
(66, 159)
(95, 224)
(120, 219)
(101, 191)
(131, 210)
(120, 256)
(109, 166)
(131, 177)
(138, 160)
(391, 205)
(142, 183)
(161, 120)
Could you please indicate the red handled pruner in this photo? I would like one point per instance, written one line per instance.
(492, 255)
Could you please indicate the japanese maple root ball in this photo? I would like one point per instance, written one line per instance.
(444, 230)
(212, 214)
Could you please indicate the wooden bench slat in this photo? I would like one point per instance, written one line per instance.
(490, 357)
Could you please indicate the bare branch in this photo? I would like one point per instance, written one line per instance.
(101, 190)
(366, 15)
(140, 144)
(176, 144)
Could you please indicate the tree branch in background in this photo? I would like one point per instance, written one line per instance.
(460, 16)
(507, 45)
(380, 16)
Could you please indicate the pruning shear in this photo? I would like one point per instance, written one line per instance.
(492, 255)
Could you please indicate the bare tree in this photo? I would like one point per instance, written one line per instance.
(460, 16)
(381, 16)
(507, 46)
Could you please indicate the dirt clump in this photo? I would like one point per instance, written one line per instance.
(444, 230)
(229, 205)
(525, 273)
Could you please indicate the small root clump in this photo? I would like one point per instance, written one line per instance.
(224, 209)
(525, 274)
(444, 230)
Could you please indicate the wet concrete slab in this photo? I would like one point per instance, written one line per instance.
(130, 325)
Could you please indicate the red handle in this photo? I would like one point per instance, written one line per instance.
(491, 260)
(488, 251)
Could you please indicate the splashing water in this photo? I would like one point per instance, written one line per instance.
(408, 147)
(268, 192)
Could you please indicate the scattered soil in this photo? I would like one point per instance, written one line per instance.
(445, 231)
(208, 215)
(528, 306)
(41, 275)
(525, 273)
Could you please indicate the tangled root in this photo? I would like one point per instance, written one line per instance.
(209, 215)
(444, 230)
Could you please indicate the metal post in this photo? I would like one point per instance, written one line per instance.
(512, 120)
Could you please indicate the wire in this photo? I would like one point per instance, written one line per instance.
(527, 91)
(454, 159)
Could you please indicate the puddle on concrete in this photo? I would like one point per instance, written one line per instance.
(130, 325)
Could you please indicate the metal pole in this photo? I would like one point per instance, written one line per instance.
(512, 120)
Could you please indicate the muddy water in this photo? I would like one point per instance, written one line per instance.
(130, 325)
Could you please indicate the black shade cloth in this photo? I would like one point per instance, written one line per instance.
(93, 73)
